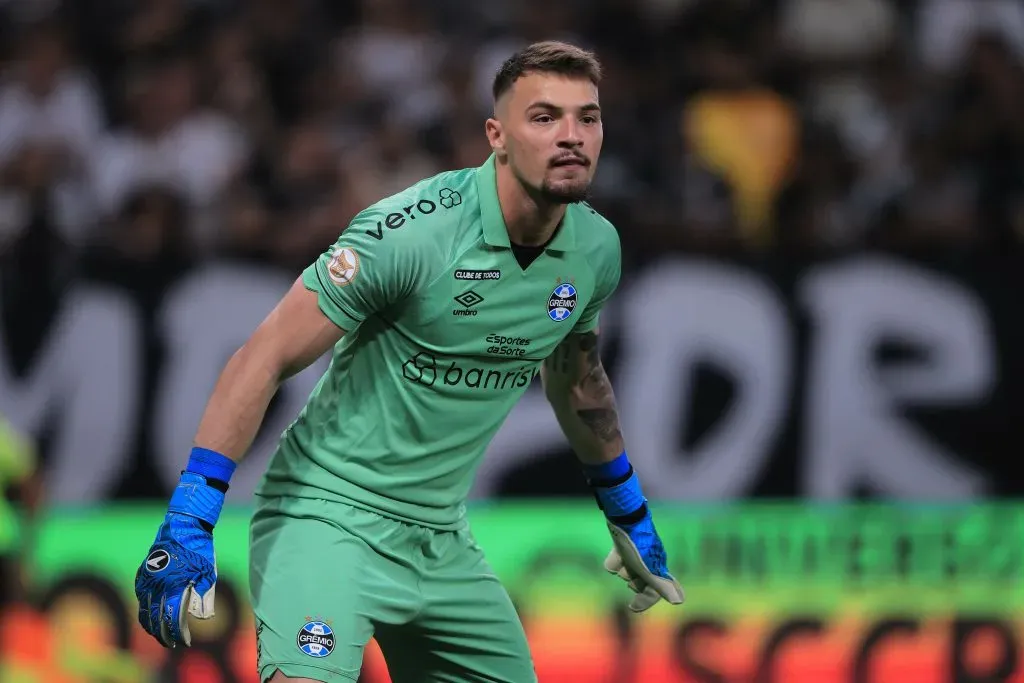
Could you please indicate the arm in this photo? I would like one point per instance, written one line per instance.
(581, 395)
(354, 279)
(363, 273)
(179, 574)
(290, 339)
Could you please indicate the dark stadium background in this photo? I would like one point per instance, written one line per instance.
(821, 206)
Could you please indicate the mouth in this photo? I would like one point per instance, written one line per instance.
(570, 162)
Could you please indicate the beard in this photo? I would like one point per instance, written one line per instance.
(556, 188)
(565, 190)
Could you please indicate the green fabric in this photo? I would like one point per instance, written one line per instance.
(345, 575)
(445, 332)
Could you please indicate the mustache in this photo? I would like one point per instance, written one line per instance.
(569, 158)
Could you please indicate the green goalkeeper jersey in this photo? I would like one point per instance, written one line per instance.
(444, 333)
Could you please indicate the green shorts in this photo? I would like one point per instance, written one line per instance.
(325, 577)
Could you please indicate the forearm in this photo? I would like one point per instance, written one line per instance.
(238, 404)
(581, 395)
(289, 340)
(232, 418)
(589, 419)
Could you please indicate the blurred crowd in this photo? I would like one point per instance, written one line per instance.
(141, 135)
(139, 138)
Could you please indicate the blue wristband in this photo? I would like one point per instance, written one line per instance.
(194, 496)
(608, 471)
(617, 488)
(211, 464)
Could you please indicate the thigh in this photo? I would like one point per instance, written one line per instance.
(318, 585)
(468, 630)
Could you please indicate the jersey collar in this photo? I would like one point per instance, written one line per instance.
(495, 232)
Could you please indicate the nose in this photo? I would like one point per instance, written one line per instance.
(570, 137)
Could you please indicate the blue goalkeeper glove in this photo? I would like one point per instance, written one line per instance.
(638, 556)
(179, 574)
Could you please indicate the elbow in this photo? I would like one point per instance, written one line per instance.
(257, 358)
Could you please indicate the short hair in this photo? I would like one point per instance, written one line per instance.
(549, 57)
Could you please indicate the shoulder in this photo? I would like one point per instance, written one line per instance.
(598, 242)
(597, 235)
(421, 214)
(430, 200)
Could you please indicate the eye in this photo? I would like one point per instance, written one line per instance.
(543, 118)
(589, 119)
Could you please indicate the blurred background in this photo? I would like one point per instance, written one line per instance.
(817, 346)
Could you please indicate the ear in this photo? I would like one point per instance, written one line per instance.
(495, 136)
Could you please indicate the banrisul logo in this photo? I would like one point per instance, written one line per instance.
(562, 301)
(429, 370)
(316, 639)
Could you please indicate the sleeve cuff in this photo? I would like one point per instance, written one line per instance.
(585, 326)
(313, 281)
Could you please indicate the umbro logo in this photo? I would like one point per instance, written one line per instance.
(158, 561)
(467, 300)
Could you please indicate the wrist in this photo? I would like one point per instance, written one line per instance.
(617, 489)
(202, 485)
(211, 465)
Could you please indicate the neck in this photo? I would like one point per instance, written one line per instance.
(530, 220)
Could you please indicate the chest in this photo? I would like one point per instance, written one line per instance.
(487, 305)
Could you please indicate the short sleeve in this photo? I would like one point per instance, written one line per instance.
(607, 282)
(368, 269)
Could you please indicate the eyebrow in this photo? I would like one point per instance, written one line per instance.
(589, 107)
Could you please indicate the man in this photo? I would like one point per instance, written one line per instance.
(441, 304)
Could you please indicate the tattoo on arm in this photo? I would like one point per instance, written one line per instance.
(577, 361)
(603, 422)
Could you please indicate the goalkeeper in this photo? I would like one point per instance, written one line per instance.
(441, 304)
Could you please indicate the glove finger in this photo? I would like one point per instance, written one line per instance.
(613, 563)
(151, 627)
(644, 600)
(163, 630)
(171, 619)
(184, 634)
(201, 601)
(154, 623)
(668, 588)
(144, 616)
